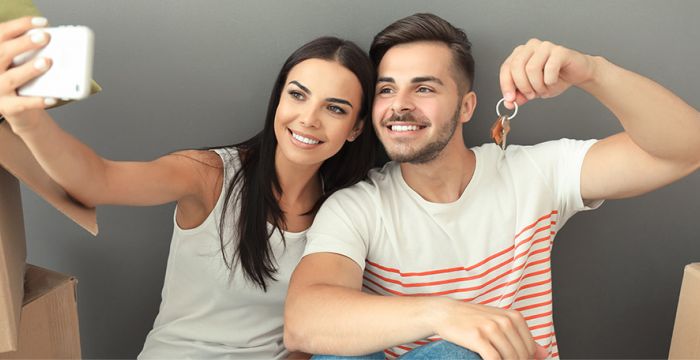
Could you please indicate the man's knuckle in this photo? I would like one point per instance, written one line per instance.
(515, 315)
(532, 67)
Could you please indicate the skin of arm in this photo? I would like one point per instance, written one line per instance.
(327, 313)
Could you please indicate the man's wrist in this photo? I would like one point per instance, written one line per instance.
(436, 311)
(601, 73)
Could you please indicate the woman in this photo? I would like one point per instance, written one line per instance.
(242, 210)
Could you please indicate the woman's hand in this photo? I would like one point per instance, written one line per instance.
(541, 69)
(14, 41)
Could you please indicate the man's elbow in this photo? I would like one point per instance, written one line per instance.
(291, 340)
(293, 334)
(293, 325)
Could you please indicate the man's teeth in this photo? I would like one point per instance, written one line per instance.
(305, 140)
(404, 127)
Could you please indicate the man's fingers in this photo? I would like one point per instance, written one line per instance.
(499, 340)
(523, 331)
(541, 352)
(519, 59)
(14, 28)
(507, 85)
(535, 71)
(551, 70)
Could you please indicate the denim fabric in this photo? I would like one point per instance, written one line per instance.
(435, 350)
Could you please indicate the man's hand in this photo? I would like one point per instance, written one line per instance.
(491, 332)
(541, 69)
(327, 313)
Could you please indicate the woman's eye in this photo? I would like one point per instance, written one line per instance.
(336, 109)
(297, 95)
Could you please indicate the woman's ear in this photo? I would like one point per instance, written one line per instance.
(356, 131)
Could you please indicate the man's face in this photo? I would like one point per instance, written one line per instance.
(416, 107)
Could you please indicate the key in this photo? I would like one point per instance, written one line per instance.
(500, 130)
(501, 127)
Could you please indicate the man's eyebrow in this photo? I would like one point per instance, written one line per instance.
(421, 79)
(415, 80)
(306, 90)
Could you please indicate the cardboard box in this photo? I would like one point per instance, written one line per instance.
(38, 311)
(49, 318)
(685, 343)
(12, 256)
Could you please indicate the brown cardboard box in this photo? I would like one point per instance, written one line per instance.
(38, 322)
(12, 256)
(49, 318)
(685, 343)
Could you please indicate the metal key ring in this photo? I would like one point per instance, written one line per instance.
(498, 112)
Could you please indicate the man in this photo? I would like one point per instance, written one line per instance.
(458, 238)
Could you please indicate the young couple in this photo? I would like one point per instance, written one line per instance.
(444, 249)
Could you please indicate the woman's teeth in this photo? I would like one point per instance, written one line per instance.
(305, 140)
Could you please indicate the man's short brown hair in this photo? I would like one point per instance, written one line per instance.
(428, 27)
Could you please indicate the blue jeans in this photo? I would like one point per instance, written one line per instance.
(440, 349)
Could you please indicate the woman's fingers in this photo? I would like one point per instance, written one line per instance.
(13, 78)
(14, 105)
(10, 103)
(10, 49)
(14, 28)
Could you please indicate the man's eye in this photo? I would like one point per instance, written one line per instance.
(336, 109)
(424, 89)
(297, 95)
(384, 91)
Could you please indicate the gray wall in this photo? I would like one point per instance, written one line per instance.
(182, 74)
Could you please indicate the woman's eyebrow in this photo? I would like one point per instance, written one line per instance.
(337, 100)
(331, 99)
(306, 90)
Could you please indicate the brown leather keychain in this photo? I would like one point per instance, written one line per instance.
(501, 127)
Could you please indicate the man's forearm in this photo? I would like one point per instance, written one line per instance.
(341, 321)
(658, 121)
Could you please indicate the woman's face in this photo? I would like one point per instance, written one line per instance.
(317, 111)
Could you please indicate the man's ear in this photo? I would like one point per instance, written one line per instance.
(357, 130)
(467, 106)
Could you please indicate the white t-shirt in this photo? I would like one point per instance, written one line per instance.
(492, 246)
(209, 312)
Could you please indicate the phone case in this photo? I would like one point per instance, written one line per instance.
(71, 50)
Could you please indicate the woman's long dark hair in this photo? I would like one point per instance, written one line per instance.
(257, 179)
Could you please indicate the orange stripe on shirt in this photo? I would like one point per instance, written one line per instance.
(440, 271)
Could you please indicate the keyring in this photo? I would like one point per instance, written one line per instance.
(498, 112)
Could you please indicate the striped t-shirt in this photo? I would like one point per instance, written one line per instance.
(492, 246)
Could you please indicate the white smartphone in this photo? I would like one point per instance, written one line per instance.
(71, 49)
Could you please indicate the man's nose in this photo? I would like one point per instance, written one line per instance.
(402, 104)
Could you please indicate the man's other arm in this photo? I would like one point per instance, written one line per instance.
(327, 313)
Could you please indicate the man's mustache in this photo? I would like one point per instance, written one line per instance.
(408, 117)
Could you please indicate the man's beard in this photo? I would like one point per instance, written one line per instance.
(428, 152)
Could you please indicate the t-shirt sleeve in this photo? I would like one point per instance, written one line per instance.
(342, 226)
(561, 162)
